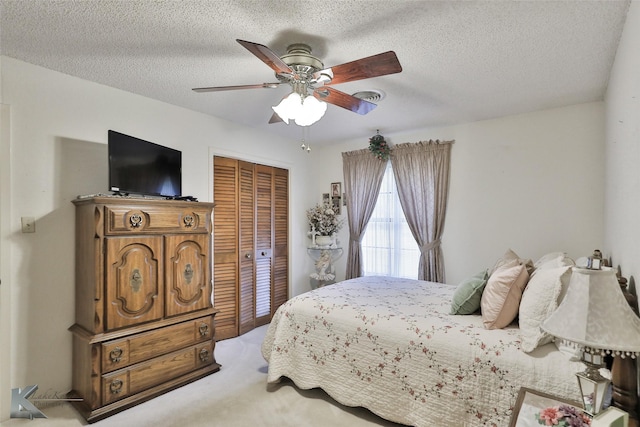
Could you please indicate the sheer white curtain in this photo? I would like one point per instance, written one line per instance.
(422, 176)
(388, 247)
(363, 174)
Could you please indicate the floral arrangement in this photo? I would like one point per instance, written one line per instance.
(563, 416)
(379, 147)
(323, 220)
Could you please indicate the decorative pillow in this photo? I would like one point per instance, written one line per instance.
(501, 296)
(509, 256)
(539, 300)
(554, 260)
(466, 298)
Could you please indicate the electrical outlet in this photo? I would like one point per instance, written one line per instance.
(28, 224)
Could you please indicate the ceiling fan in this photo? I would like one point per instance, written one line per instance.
(305, 73)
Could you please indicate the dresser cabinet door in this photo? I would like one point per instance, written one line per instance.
(133, 274)
(187, 282)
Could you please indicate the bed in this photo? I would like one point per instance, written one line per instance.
(390, 345)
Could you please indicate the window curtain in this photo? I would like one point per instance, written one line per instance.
(363, 174)
(422, 173)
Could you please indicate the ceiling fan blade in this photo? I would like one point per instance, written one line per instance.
(221, 88)
(344, 100)
(267, 56)
(371, 66)
(275, 118)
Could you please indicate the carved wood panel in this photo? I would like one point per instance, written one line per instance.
(187, 275)
(133, 288)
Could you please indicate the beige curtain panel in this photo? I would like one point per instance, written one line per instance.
(363, 175)
(422, 172)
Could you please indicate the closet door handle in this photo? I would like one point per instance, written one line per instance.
(247, 255)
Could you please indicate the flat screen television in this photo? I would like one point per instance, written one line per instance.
(142, 167)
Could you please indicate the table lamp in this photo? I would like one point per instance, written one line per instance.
(595, 316)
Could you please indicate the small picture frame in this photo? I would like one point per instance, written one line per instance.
(336, 189)
(532, 405)
(336, 200)
(326, 200)
(335, 203)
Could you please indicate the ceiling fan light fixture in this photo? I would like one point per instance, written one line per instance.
(312, 110)
(304, 112)
(287, 108)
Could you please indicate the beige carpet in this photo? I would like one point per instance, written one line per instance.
(236, 396)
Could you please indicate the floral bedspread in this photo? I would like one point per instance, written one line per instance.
(389, 345)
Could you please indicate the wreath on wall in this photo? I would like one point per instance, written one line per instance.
(379, 147)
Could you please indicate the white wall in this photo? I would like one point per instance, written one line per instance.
(531, 182)
(622, 202)
(57, 151)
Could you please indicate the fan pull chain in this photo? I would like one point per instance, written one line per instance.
(304, 145)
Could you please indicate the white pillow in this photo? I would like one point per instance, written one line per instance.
(553, 260)
(539, 300)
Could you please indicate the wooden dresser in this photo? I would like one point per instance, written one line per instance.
(144, 317)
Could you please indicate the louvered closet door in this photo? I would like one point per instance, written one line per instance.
(250, 244)
(264, 243)
(225, 246)
(247, 244)
(280, 292)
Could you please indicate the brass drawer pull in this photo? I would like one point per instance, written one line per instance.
(188, 274)
(116, 386)
(204, 355)
(188, 221)
(203, 329)
(135, 220)
(115, 355)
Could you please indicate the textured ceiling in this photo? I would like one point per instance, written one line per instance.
(462, 61)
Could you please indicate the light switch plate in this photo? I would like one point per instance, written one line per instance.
(28, 224)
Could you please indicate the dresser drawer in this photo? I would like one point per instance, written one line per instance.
(144, 375)
(150, 219)
(120, 353)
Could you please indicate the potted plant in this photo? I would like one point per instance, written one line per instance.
(324, 223)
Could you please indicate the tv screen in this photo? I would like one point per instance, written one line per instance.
(142, 167)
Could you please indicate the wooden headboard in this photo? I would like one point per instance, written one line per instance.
(624, 371)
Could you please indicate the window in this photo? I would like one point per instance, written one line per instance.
(388, 247)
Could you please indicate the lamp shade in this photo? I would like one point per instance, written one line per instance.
(595, 315)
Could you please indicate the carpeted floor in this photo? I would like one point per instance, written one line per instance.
(236, 396)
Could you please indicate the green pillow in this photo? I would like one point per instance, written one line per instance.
(467, 296)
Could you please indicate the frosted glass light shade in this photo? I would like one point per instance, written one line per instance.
(304, 112)
(288, 108)
(312, 111)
